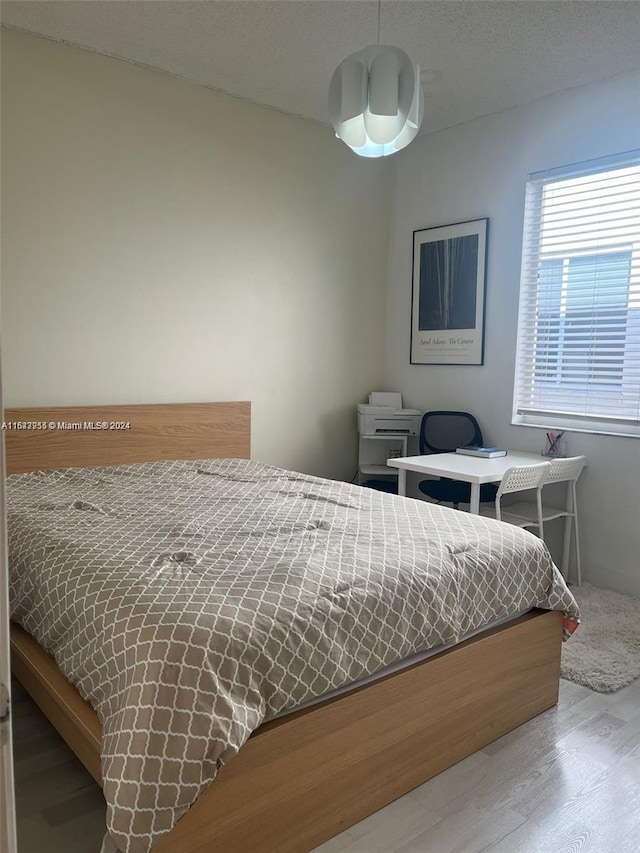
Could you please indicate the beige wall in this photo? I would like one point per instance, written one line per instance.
(163, 242)
(480, 169)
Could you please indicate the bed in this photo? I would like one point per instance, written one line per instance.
(303, 777)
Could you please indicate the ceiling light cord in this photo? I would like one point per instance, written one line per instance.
(379, 3)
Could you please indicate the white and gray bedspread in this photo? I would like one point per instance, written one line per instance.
(190, 601)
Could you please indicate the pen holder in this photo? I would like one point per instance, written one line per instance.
(556, 448)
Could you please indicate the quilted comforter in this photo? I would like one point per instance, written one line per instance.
(190, 601)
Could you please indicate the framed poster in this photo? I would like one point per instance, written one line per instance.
(447, 307)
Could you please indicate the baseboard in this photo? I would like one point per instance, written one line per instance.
(627, 584)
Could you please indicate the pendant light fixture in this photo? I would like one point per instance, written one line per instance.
(376, 103)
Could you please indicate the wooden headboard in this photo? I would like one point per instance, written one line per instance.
(68, 437)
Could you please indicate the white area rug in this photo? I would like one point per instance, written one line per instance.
(604, 653)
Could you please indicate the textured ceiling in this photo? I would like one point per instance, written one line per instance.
(478, 56)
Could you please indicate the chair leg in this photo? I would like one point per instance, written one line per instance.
(576, 533)
(566, 547)
(540, 524)
(566, 541)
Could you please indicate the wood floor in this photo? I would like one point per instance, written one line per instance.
(566, 782)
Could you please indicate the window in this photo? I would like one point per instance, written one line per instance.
(578, 354)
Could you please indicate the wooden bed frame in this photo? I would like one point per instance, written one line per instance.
(301, 779)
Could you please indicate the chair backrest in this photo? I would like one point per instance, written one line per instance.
(442, 432)
(522, 477)
(566, 469)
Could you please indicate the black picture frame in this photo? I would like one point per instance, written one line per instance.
(448, 293)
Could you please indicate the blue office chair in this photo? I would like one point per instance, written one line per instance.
(443, 432)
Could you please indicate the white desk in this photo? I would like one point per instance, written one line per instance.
(468, 469)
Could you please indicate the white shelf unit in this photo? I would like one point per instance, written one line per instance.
(373, 452)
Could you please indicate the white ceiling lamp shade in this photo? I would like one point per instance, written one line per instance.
(376, 103)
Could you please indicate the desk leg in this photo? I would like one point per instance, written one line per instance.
(474, 506)
(402, 482)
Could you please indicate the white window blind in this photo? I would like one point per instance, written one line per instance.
(578, 353)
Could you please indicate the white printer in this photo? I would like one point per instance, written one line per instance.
(384, 415)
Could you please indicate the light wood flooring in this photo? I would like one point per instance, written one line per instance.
(566, 782)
